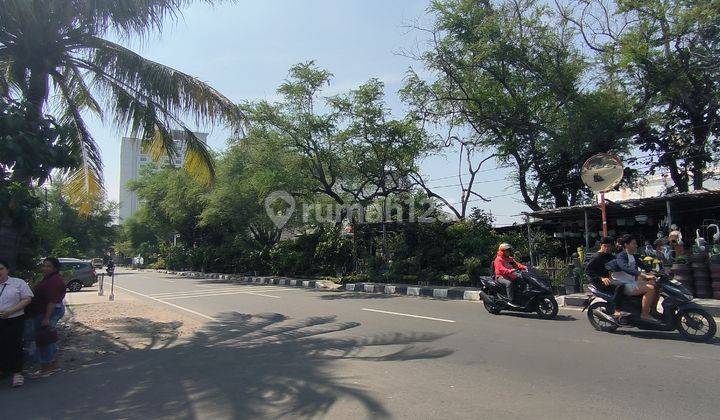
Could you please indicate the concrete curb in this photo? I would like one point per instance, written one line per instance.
(278, 281)
(436, 292)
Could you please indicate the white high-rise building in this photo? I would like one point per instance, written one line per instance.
(132, 158)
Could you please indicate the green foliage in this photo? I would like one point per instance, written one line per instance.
(66, 247)
(662, 55)
(352, 151)
(464, 279)
(29, 150)
(64, 44)
(668, 59)
(511, 79)
(286, 260)
(65, 232)
(474, 268)
(333, 253)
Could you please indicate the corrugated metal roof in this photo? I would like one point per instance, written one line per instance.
(694, 200)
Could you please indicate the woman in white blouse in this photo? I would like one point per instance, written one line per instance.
(15, 295)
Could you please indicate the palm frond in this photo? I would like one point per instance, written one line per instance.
(160, 144)
(85, 186)
(173, 91)
(83, 96)
(11, 76)
(149, 97)
(198, 161)
(130, 17)
(150, 122)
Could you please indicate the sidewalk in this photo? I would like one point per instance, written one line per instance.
(96, 327)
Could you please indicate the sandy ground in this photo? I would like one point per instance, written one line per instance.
(95, 327)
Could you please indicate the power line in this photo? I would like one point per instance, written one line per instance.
(633, 158)
(553, 185)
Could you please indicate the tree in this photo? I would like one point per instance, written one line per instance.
(57, 221)
(173, 203)
(349, 145)
(664, 54)
(62, 46)
(380, 154)
(510, 77)
(248, 172)
(29, 151)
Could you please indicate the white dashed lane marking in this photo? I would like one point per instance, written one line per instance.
(407, 315)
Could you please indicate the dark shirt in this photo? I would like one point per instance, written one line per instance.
(596, 267)
(50, 290)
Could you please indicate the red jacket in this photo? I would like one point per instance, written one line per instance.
(506, 266)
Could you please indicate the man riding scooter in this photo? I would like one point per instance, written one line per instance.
(602, 278)
(625, 272)
(507, 270)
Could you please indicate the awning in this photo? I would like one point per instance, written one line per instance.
(695, 201)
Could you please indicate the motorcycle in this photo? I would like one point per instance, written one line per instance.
(679, 312)
(533, 295)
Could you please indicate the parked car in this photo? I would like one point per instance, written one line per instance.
(77, 273)
(97, 263)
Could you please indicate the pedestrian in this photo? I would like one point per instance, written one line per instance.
(15, 295)
(46, 309)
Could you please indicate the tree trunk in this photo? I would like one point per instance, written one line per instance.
(698, 179)
(522, 173)
(680, 181)
(9, 242)
(38, 90)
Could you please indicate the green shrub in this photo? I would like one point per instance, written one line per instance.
(446, 278)
(463, 279)
(355, 278)
(410, 279)
(474, 268)
(427, 276)
(389, 277)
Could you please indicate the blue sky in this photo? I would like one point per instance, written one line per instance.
(245, 50)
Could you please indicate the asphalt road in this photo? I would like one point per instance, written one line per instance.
(270, 352)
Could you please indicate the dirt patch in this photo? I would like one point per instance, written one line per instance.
(96, 327)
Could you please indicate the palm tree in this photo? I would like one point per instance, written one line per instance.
(55, 55)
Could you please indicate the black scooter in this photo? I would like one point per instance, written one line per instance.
(533, 295)
(679, 312)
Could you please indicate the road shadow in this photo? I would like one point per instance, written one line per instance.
(661, 335)
(535, 316)
(242, 366)
(218, 281)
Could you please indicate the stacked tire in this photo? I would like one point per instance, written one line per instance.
(715, 278)
(683, 273)
(701, 275)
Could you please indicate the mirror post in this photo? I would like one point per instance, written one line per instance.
(604, 214)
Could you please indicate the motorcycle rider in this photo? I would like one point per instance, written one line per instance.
(110, 266)
(600, 275)
(625, 272)
(507, 270)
